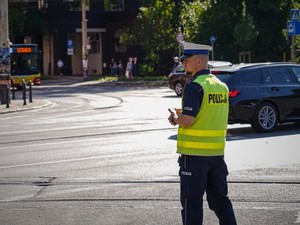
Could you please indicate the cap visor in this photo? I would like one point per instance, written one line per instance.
(183, 57)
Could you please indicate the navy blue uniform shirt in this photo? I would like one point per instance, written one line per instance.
(193, 95)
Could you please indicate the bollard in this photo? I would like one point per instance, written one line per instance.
(24, 92)
(13, 89)
(7, 95)
(30, 91)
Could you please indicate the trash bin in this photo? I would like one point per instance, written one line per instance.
(4, 80)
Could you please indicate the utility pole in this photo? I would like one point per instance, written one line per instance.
(4, 53)
(293, 57)
(84, 41)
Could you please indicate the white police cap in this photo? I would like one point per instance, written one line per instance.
(190, 49)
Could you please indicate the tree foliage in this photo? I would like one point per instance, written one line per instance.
(152, 30)
(270, 17)
(219, 20)
(296, 5)
(191, 18)
(248, 25)
(156, 27)
(25, 20)
(245, 32)
(17, 18)
(152, 27)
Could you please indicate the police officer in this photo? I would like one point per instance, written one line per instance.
(201, 140)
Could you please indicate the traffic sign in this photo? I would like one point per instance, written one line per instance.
(70, 44)
(212, 38)
(180, 37)
(295, 15)
(70, 47)
(293, 28)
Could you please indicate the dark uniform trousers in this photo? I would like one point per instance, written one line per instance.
(197, 175)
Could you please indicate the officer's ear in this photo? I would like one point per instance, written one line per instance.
(198, 59)
(203, 60)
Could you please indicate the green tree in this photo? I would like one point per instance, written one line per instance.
(152, 31)
(16, 18)
(156, 27)
(245, 33)
(191, 18)
(251, 25)
(270, 17)
(297, 38)
(219, 20)
(25, 19)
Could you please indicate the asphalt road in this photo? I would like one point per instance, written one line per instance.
(103, 154)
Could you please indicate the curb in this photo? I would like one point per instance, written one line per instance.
(17, 106)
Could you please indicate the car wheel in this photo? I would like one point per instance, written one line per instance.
(178, 88)
(265, 118)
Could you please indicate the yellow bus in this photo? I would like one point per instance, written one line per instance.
(25, 64)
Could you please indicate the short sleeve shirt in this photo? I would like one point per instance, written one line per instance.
(193, 96)
(60, 63)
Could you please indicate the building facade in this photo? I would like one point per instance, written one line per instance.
(63, 39)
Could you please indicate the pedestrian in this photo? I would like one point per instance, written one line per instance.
(129, 69)
(120, 68)
(114, 68)
(134, 66)
(201, 139)
(176, 62)
(60, 66)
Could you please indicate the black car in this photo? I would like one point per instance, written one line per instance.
(263, 94)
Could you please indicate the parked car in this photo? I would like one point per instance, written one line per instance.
(177, 78)
(263, 94)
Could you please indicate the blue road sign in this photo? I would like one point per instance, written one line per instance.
(293, 28)
(69, 44)
(295, 15)
(212, 38)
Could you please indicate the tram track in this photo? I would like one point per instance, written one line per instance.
(110, 132)
(54, 181)
(53, 190)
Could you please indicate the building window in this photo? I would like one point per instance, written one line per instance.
(113, 5)
(94, 39)
(75, 5)
(118, 47)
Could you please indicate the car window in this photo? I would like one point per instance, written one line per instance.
(296, 71)
(223, 76)
(277, 75)
(179, 69)
(251, 77)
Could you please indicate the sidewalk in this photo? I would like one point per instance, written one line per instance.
(18, 105)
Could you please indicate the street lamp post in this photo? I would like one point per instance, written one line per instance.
(84, 42)
(180, 39)
(4, 53)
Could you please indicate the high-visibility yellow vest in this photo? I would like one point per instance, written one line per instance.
(207, 135)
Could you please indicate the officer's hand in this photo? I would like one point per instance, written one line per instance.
(178, 111)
